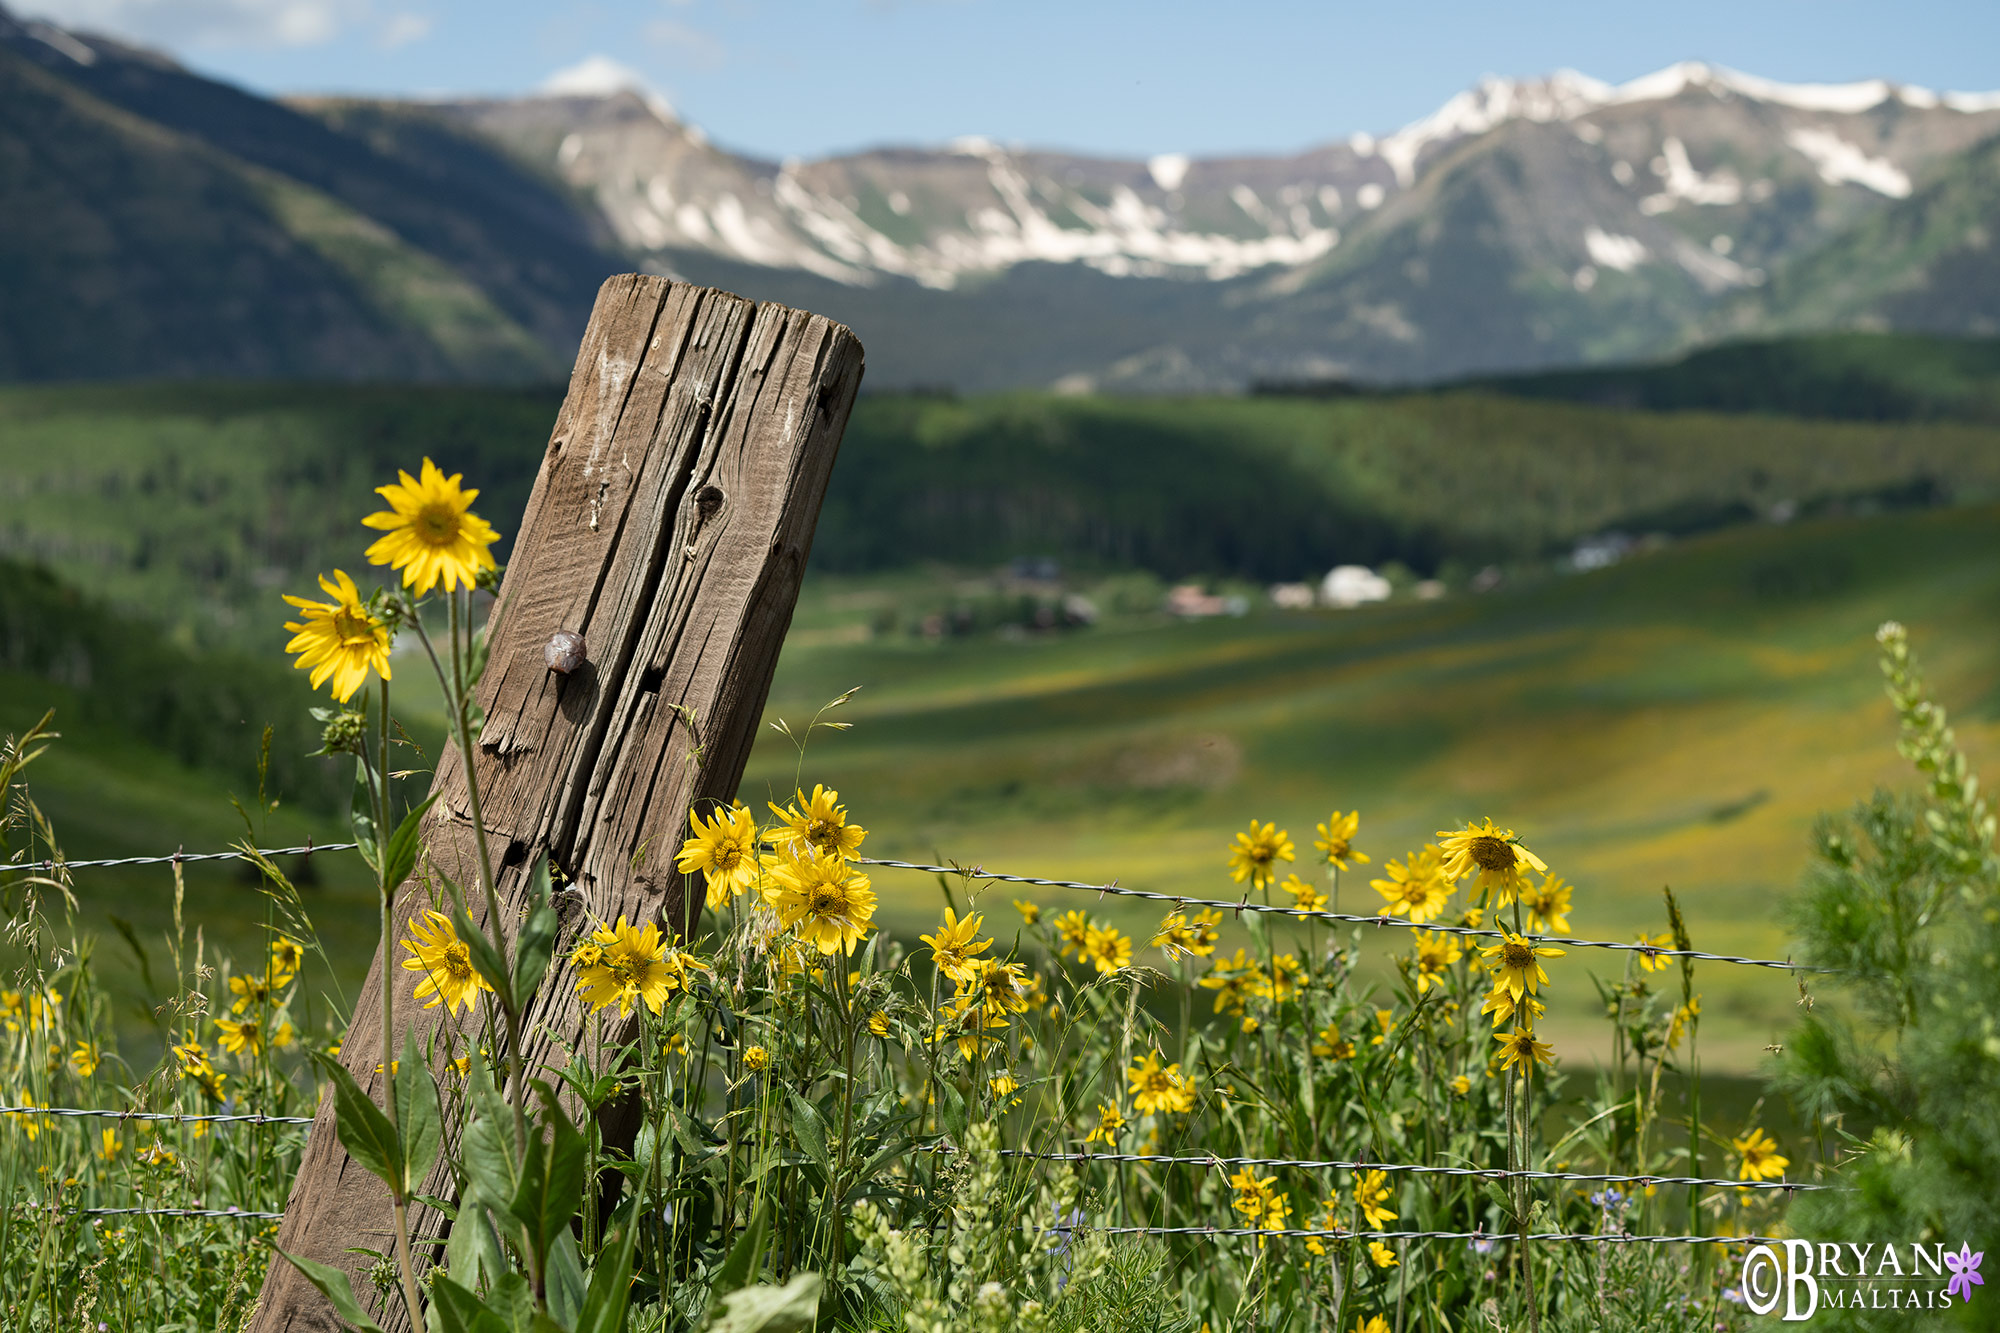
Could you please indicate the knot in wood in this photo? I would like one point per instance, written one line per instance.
(565, 651)
(708, 501)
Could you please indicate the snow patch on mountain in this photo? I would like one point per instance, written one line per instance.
(1841, 163)
(1609, 250)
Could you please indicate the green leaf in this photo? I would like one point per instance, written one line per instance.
(474, 1252)
(551, 1184)
(511, 1299)
(791, 1308)
(537, 940)
(419, 1118)
(492, 1169)
(338, 1289)
(610, 1293)
(361, 816)
(364, 1131)
(402, 856)
(486, 960)
(743, 1261)
(951, 1108)
(564, 1278)
(811, 1131)
(456, 1310)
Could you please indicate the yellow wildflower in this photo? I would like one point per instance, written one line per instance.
(31, 1125)
(1383, 1256)
(108, 1144)
(430, 532)
(1281, 983)
(1371, 1196)
(724, 850)
(1684, 1017)
(1460, 1085)
(1255, 854)
(288, 957)
(634, 966)
(818, 821)
(878, 1023)
(1336, 839)
(1156, 1088)
(1004, 1087)
(1520, 1047)
(1328, 1220)
(953, 947)
(1030, 912)
(1494, 853)
(997, 985)
(248, 1034)
(1502, 1004)
(1072, 929)
(830, 904)
(967, 1023)
(1110, 1120)
(1415, 888)
(156, 1154)
(1233, 980)
(1759, 1152)
(756, 1059)
(1107, 950)
(1332, 1045)
(1304, 896)
(1548, 905)
(1650, 960)
(338, 639)
(1373, 1324)
(86, 1057)
(445, 961)
(1435, 952)
(1516, 964)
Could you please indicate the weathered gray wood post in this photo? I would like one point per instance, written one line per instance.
(669, 526)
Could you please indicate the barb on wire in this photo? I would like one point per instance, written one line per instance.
(1180, 901)
(1474, 1172)
(77, 1111)
(1603, 1238)
(47, 866)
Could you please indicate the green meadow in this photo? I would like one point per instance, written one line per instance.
(1676, 720)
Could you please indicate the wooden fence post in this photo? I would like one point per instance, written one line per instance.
(669, 526)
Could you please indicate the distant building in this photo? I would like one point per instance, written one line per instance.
(1292, 596)
(1351, 585)
(1191, 602)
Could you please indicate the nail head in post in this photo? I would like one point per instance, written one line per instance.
(565, 651)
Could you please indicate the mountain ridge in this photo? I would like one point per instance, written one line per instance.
(1525, 224)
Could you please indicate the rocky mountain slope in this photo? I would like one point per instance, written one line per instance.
(1522, 225)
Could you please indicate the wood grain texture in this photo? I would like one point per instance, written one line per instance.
(669, 525)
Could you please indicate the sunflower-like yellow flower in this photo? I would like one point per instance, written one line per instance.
(1331, 1045)
(1003, 1087)
(1759, 1152)
(1548, 905)
(1460, 1085)
(1383, 1256)
(878, 1022)
(1182, 936)
(445, 961)
(430, 532)
(818, 821)
(1500, 861)
(1030, 912)
(1110, 1120)
(338, 639)
(195, 1067)
(1371, 1196)
(1233, 980)
(829, 903)
(966, 1022)
(756, 1059)
(86, 1057)
(1416, 887)
(997, 985)
(1282, 982)
(1374, 1323)
(1516, 964)
(634, 966)
(1327, 1220)
(1435, 953)
(1520, 1047)
(1071, 929)
(1336, 839)
(954, 948)
(1256, 853)
(1105, 949)
(724, 850)
(1304, 896)
(1506, 1007)
(1155, 1087)
(1253, 1193)
(288, 957)
(249, 1035)
(252, 991)
(1650, 959)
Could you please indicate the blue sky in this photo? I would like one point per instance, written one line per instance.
(808, 77)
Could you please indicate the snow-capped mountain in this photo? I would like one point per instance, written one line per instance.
(1524, 223)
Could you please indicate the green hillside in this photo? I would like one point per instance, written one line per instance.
(193, 505)
(1840, 376)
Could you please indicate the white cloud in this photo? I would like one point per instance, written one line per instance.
(176, 23)
(402, 29)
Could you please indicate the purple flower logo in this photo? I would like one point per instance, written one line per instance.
(1964, 1268)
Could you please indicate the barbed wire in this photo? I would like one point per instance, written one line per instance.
(1605, 1237)
(1180, 901)
(80, 1111)
(48, 865)
(238, 1213)
(1407, 1168)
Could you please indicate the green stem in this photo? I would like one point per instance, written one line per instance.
(386, 896)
